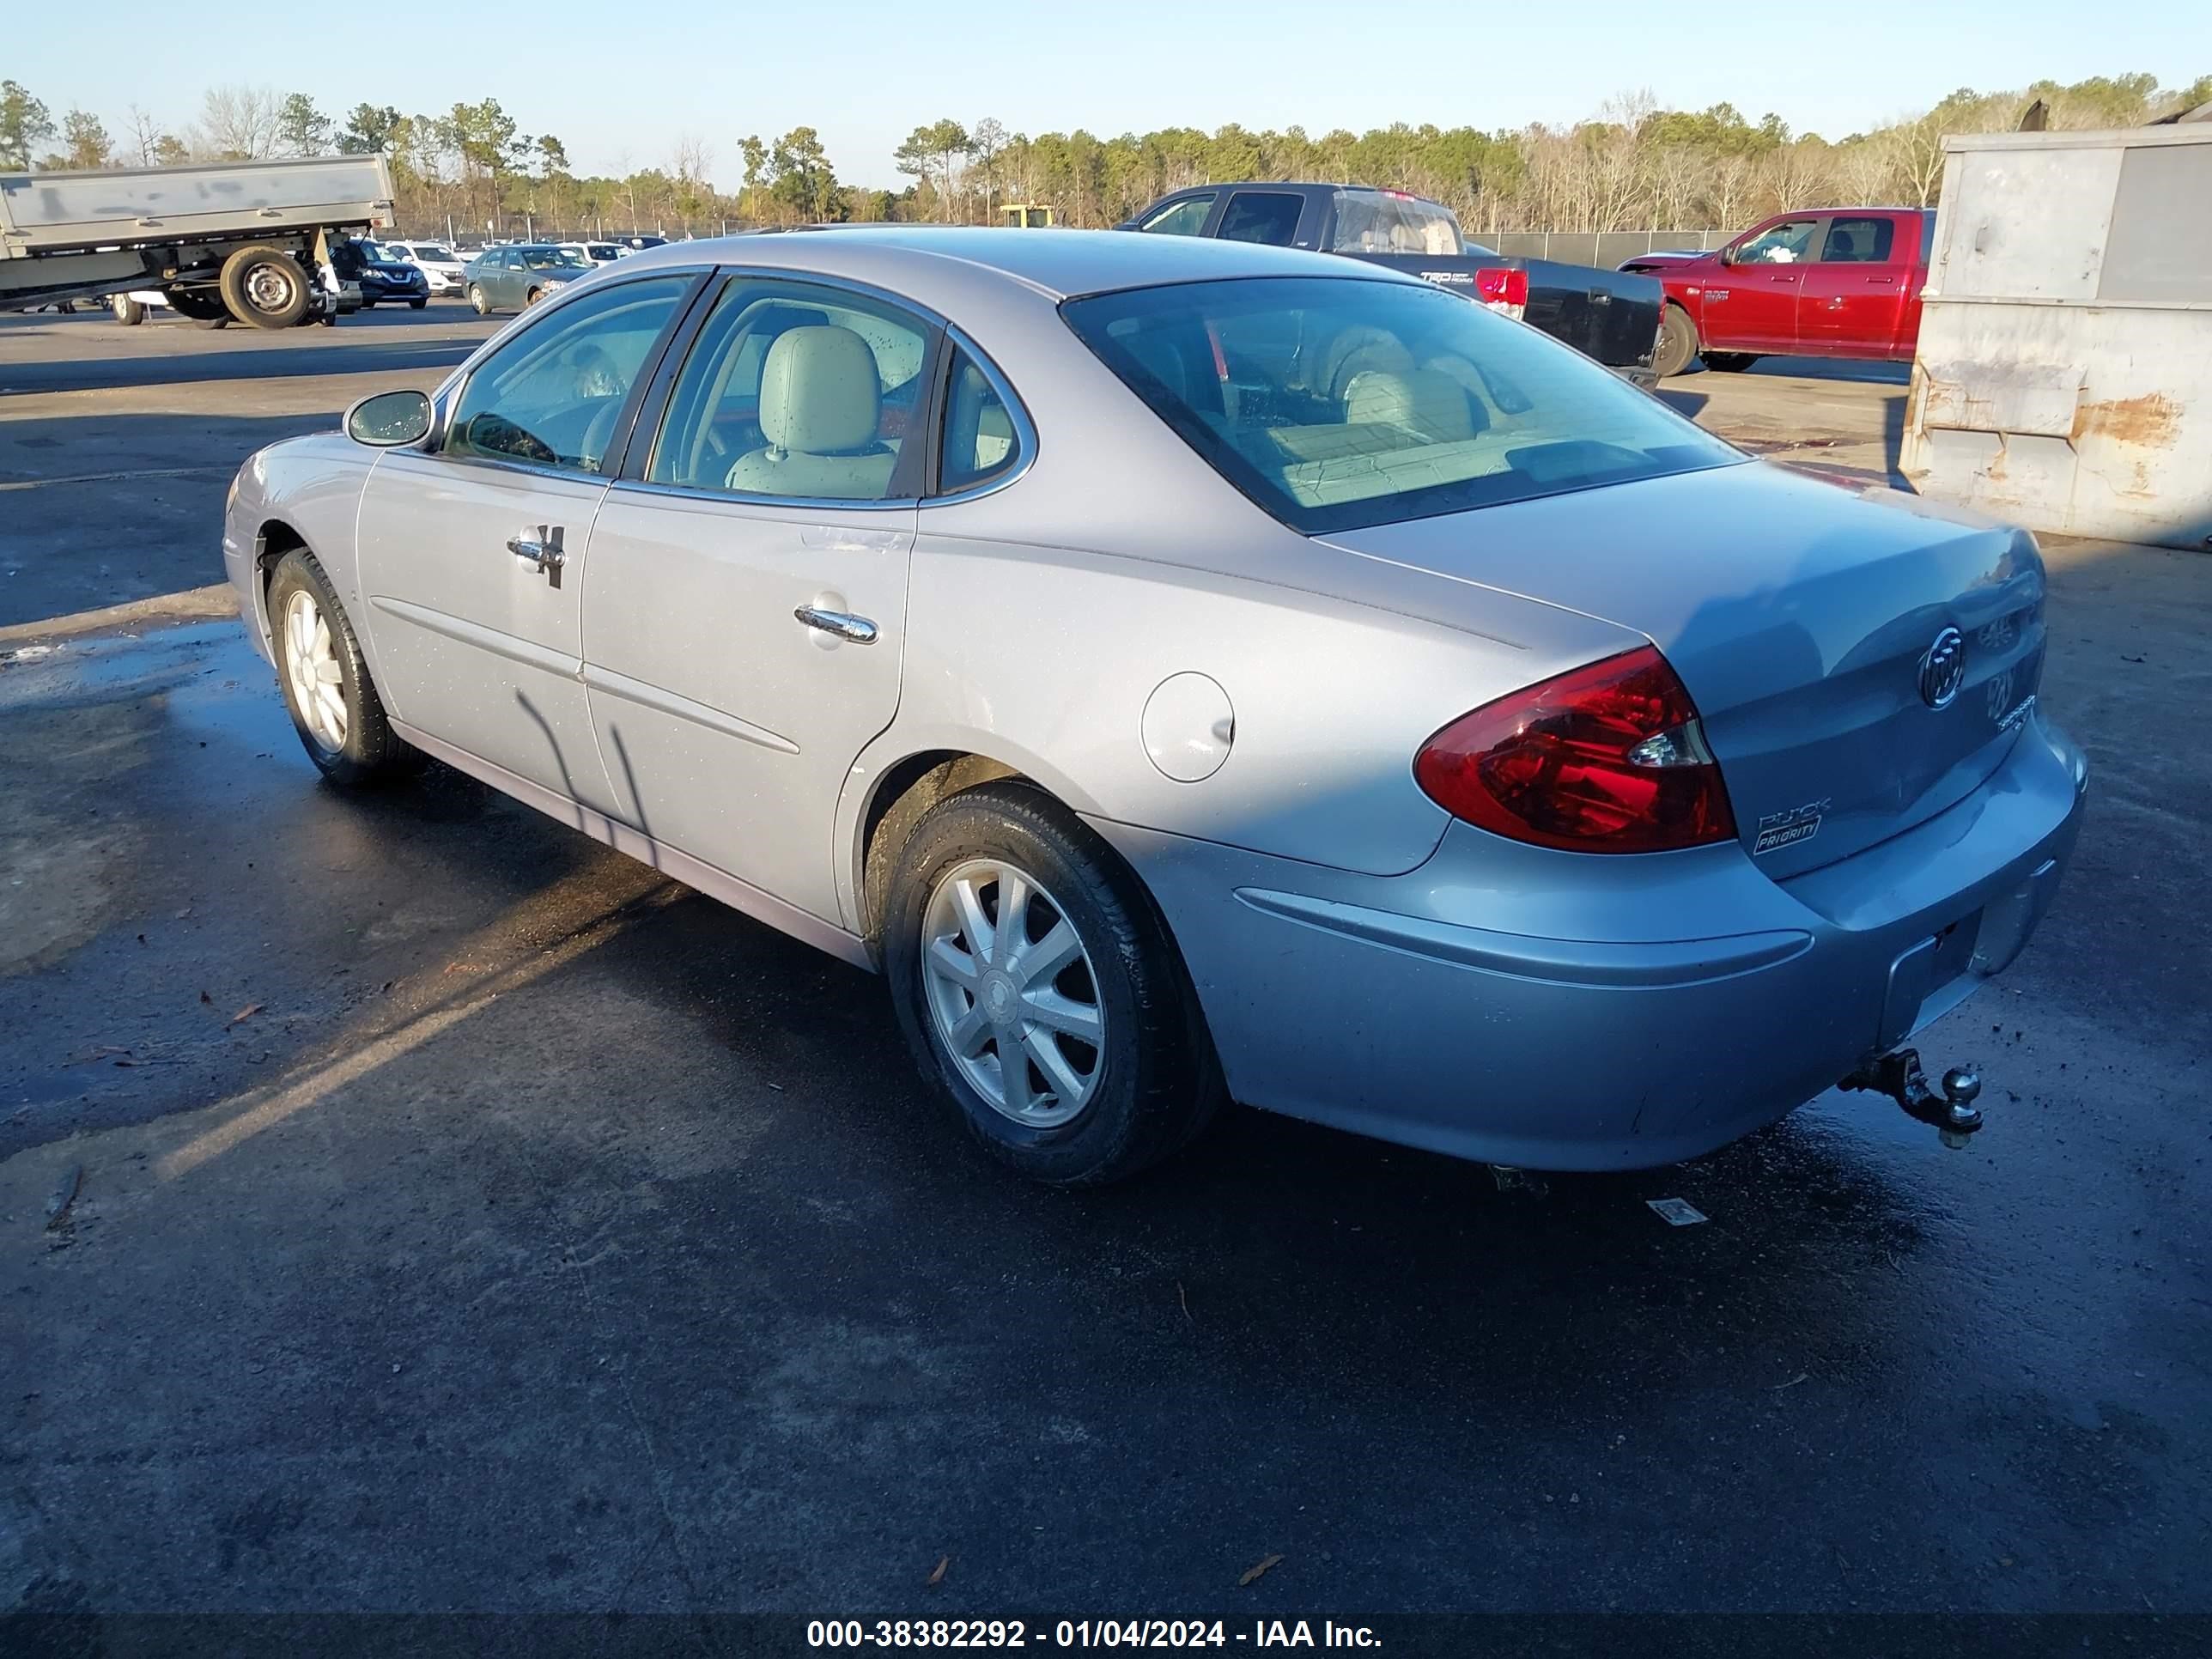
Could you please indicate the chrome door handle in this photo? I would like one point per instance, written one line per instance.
(841, 623)
(543, 552)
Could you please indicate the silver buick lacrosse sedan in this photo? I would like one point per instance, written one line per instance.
(1192, 671)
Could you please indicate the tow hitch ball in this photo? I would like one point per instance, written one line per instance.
(1953, 1113)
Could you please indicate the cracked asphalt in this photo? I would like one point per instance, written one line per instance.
(454, 1215)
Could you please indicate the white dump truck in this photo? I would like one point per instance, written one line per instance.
(247, 241)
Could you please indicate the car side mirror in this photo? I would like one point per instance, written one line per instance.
(389, 419)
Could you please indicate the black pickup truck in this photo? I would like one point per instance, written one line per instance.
(1610, 315)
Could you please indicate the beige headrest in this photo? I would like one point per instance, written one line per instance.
(1420, 400)
(819, 392)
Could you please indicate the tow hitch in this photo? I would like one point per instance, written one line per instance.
(1953, 1113)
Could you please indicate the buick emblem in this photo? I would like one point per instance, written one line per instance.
(1943, 669)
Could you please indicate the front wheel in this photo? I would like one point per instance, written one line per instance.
(333, 702)
(1677, 342)
(1040, 992)
(532, 297)
(417, 305)
(128, 312)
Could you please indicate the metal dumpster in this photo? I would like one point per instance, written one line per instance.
(2065, 373)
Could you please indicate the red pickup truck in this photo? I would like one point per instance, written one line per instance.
(1824, 282)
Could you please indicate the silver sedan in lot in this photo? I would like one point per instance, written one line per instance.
(1190, 670)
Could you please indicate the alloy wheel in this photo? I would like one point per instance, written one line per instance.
(1012, 993)
(311, 662)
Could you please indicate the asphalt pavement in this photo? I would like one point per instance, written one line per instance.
(406, 1204)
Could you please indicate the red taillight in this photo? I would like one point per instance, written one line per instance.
(1502, 288)
(1608, 758)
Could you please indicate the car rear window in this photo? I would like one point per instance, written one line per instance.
(1339, 403)
(1374, 221)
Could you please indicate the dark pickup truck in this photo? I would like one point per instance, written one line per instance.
(1610, 315)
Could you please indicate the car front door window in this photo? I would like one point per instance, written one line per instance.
(1788, 243)
(1184, 218)
(552, 396)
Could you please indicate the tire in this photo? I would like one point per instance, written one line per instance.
(264, 287)
(417, 305)
(532, 297)
(368, 304)
(128, 312)
(1730, 362)
(1152, 1083)
(1678, 342)
(202, 307)
(350, 742)
(477, 299)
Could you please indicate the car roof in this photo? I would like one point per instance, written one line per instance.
(1058, 263)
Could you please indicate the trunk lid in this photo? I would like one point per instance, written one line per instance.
(1859, 664)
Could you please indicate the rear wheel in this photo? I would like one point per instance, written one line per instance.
(1678, 342)
(333, 702)
(128, 312)
(1730, 362)
(477, 299)
(202, 307)
(1040, 992)
(263, 286)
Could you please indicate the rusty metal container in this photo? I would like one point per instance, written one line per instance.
(2063, 379)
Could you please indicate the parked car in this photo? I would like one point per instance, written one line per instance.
(384, 278)
(636, 243)
(595, 253)
(1610, 317)
(516, 275)
(1469, 752)
(1824, 282)
(440, 266)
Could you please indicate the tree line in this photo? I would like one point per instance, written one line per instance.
(1633, 166)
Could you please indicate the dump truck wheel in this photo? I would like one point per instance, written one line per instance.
(265, 287)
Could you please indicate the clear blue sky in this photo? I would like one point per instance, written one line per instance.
(620, 81)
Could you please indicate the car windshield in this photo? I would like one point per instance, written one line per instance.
(603, 250)
(546, 259)
(429, 251)
(1339, 403)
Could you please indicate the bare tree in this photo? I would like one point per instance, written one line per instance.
(987, 142)
(239, 122)
(146, 135)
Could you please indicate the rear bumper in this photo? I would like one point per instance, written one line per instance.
(1558, 1010)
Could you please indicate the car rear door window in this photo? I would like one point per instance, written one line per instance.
(980, 439)
(796, 391)
(552, 396)
(1262, 215)
(1184, 218)
(1862, 241)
